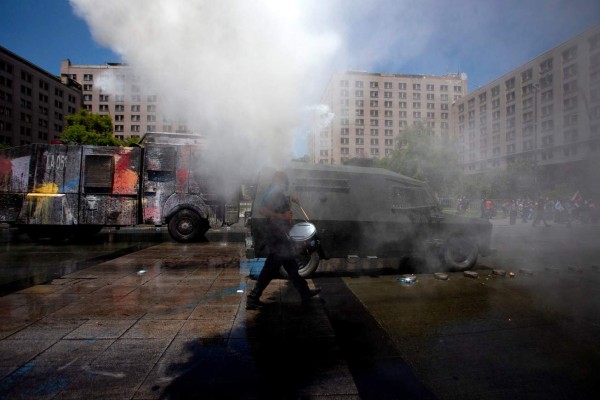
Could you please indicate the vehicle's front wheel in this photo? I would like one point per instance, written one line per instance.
(460, 253)
(186, 226)
(307, 265)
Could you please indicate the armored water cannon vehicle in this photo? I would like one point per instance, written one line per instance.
(370, 212)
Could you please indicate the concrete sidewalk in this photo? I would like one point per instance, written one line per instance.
(168, 321)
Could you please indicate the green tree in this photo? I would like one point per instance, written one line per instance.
(88, 128)
(130, 141)
(426, 157)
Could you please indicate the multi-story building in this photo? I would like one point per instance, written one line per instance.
(369, 111)
(114, 89)
(33, 102)
(546, 112)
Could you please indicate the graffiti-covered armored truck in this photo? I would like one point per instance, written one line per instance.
(57, 190)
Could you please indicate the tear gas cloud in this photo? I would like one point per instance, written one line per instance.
(238, 72)
(247, 75)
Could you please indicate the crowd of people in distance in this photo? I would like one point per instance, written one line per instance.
(539, 211)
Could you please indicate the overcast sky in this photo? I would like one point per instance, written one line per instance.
(483, 38)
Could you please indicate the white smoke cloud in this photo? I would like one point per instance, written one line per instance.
(238, 72)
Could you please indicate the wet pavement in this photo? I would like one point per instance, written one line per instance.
(166, 321)
(169, 321)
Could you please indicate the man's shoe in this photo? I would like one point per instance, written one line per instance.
(311, 293)
(254, 303)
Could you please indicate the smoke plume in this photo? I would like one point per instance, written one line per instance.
(238, 72)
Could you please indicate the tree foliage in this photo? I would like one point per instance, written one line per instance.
(517, 180)
(88, 128)
(426, 157)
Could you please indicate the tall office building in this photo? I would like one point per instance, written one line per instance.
(367, 112)
(114, 89)
(33, 102)
(546, 112)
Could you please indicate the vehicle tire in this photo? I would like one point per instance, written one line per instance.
(186, 226)
(460, 253)
(307, 265)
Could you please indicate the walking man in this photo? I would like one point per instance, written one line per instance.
(276, 207)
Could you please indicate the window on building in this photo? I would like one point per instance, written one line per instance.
(548, 125)
(570, 54)
(546, 66)
(570, 71)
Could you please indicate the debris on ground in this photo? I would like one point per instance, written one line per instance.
(441, 276)
(408, 279)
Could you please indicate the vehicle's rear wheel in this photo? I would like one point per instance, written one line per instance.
(460, 253)
(307, 265)
(187, 226)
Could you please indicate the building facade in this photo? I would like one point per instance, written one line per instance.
(367, 112)
(33, 102)
(114, 89)
(545, 112)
